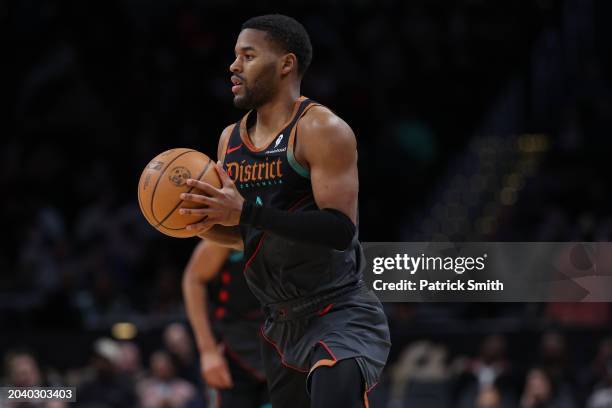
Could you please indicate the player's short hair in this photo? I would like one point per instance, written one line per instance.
(287, 33)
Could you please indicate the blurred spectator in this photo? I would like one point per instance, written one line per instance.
(107, 388)
(492, 362)
(553, 359)
(163, 389)
(181, 348)
(130, 363)
(553, 356)
(598, 377)
(488, 397)
(490, 373)
(420, 372)
(540, 392)
(22, 370)
(602, 396)
(56, 404)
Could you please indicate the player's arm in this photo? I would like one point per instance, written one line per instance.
(224, 236)
(329, 149)
(205, 263)
(227, 236)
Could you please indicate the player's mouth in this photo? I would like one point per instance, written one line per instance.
(237, 84)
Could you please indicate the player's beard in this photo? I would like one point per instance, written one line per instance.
(258, 93)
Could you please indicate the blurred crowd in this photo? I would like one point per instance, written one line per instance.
(428, 375)
(115, 375)
(497, 373)
(443, 97)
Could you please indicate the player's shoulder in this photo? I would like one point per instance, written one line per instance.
(320, 117)
(226, 133)
(321, 124)
(223, 140)
(227, 130)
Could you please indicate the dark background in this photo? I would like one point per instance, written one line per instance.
(476, 120)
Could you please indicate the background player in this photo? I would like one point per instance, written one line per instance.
(229, 350)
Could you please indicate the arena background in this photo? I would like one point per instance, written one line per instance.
(477, 120)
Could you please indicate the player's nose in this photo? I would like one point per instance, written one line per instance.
(235, 66)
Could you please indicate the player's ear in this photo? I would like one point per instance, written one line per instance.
(288, 64)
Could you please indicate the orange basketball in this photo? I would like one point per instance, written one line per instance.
(161, 184)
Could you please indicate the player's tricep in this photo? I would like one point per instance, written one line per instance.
(339, 192)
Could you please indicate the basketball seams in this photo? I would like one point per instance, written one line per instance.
(202, 173)
(161, 174)
(140, 199)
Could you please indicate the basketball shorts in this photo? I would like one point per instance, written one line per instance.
(298, 338)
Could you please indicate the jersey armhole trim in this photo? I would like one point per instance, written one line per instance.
(299, 169)
(229, 138)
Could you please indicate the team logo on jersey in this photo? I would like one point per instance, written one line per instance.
(249, 174)
(274, 149)
(280, 139)
(233, 149)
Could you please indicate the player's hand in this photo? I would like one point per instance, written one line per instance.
(224, 205)
(215, 370)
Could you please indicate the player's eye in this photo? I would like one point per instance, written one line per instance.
(249, 57)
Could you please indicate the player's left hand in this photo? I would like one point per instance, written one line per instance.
(224, 205)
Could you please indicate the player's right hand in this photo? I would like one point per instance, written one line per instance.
(215, 370)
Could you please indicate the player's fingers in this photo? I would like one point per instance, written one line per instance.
(221, 378)
(226, 377)
(196, 198)
(216, 379)
(225, 178)
(209, 202)
(200, 225)
(195, 211)
(211, 380)
(204, 186)
(204, 375)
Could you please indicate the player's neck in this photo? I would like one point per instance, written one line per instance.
(273, 115)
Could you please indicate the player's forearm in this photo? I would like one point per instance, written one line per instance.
(224, 236)
(327, 227)
(195, 295)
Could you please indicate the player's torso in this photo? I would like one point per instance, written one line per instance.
(268, 175)
(236, 315)
(230, 298)
(278, 269)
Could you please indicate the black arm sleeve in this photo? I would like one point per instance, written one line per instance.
(327, 227)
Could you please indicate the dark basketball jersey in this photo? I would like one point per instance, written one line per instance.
(230, 298)
(279, 269)
(236, 315)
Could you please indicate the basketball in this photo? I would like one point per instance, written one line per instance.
(162, 182)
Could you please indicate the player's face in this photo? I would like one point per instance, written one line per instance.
(255, 72)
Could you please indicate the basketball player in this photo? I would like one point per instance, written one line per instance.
(232, 367)
(289, 196)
